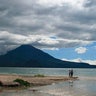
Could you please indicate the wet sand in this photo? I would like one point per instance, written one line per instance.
(35, 81)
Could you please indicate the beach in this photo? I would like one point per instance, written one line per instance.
(35, 81)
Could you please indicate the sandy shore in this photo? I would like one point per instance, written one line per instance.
(36, 81)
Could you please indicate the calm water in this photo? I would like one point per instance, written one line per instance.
(85, 86)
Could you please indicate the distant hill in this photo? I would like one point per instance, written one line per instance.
(29, 56)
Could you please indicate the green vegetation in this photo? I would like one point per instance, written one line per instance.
(22, 82)
(39, 75)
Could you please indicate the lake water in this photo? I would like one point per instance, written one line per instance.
(85, 86)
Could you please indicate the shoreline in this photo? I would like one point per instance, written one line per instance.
(34, 81)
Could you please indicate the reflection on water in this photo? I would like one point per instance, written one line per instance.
(71, 83)
(71, 88)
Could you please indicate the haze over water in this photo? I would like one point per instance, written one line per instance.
(84, 86)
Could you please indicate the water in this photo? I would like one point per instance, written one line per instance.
(48, 71)
(85, 86)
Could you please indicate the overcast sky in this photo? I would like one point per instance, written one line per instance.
(51, 25)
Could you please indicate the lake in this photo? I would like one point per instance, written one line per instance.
(85, 86)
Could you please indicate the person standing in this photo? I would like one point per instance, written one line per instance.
(71, 73)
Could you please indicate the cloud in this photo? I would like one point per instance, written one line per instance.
(36, 21)
(10, 40)
(91, 62)
(81, 50)
(51, 49)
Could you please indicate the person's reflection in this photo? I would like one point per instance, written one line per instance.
(70, 83)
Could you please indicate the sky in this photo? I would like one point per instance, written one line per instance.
(66, 29)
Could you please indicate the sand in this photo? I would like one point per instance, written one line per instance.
(36, 81)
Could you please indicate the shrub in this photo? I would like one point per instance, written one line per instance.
(22, 82)
(39, 75)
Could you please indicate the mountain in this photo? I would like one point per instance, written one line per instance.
(29, 56)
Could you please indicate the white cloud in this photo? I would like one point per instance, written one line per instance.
(48, 41)
(76, 3)
(81, 50)
(39, 41)
(22, 39)
(9, 40)
(51, 48)
(91, 62)
(73, 60)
